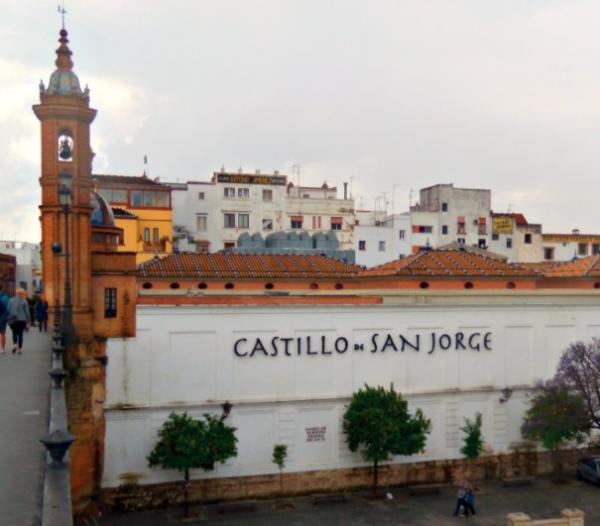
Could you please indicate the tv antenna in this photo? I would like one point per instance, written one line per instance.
(63, 12)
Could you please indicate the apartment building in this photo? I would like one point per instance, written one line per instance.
(211, 215)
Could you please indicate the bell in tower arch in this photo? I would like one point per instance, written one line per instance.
(65, 147)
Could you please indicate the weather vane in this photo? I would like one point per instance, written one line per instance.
(63, 12)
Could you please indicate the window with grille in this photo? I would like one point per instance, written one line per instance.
(110, 303)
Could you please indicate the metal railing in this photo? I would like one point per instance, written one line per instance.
(56, 506)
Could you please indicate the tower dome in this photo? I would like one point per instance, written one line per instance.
(64, 81)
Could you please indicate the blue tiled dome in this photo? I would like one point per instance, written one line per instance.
(102, 214)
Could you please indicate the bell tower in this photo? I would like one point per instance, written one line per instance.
(66, 182)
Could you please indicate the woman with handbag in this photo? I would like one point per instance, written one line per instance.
(18, 318)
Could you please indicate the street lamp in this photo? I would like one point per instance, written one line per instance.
(65, 196)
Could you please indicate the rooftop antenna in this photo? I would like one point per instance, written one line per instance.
(63, 12)
(145, 165)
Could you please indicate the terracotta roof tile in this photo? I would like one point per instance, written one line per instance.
(577, 268)
(126, 180)
(245, 266)
(449, 263)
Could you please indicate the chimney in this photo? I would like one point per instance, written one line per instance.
(345, 191)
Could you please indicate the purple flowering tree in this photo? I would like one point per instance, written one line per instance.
(579, 373)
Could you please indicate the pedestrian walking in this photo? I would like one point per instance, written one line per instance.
(469, 499)
(4, 299)
(18, 318)
(41, 314)
(460, 497)
(31, 305)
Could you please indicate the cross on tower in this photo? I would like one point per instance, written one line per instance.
(63, 12)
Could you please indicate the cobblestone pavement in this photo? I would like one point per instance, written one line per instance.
(24, 388)
(544, 499)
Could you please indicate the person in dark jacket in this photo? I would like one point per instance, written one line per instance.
(18, 318)
(41, 314)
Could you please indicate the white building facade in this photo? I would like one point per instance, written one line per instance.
(29, 267)
(289, 372)
(210, 216)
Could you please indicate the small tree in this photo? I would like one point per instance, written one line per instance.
(473, 437)
(279, 458)
(555, 416)
(377, 420)
(579, 372)
(185, 443)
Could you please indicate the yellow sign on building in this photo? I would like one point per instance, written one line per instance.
(502, 225)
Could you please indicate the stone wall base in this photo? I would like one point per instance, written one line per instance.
(129, 497)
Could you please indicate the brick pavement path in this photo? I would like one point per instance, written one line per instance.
(24, 388)
(541, 500)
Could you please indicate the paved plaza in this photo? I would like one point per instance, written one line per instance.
(24, 387)
(543, 499)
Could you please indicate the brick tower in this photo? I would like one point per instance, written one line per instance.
(65, 116)
(82, 271)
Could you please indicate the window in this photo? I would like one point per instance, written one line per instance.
(148, 199)
(228, 193)
(336, 223)
(445, 230)
(362, 245)
(481, 243)
(460, 226)
(444, 207)
(305, 196)
(296, 222)
(136, 198)
(548, 253)
(528, 239)
(110, 303)
(228, 245)
(201, 196)
(595, 248)
(267, 224)
(146, 235)
(201, 222)
(155, 235)
(401, 234)
(495, 237)
(382, 246)
(243, 220)
(229, 221)
(267, 195)
(202, 247)
(460, 241)
(509, 242)
(422, 229)
(582, 249)
(481, 226)
(243, 193)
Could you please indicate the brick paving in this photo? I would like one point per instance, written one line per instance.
(543, 499)
(24, 388)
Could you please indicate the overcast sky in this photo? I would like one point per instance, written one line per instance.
(391, 95)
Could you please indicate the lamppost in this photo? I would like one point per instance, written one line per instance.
(65, 195)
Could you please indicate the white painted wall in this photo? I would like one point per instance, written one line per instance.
(183, 359)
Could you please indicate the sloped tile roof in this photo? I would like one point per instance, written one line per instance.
(577, 268)
(191, 265)
(449, 264)
(121, 212)
(126, 180)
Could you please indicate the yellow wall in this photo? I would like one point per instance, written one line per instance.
(133, 232)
